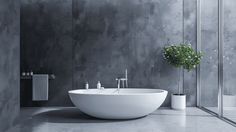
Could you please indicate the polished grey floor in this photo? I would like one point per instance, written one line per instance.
(61, 119)
(228, 112)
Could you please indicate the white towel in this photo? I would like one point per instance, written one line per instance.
(40, 87)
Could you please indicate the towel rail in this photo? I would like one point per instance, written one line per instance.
(51, 77)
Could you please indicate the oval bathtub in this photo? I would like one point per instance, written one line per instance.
(111, 104)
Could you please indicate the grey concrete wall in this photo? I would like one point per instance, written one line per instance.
(190, 30)
(9, 62)
(46, 47)
(108, 37)
(111, 36)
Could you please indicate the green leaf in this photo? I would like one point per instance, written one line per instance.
(182, 55)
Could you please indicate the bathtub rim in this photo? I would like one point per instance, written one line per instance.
(80, 92)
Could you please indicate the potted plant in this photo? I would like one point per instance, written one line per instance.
(184, 57)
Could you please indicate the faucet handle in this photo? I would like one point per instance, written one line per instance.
(123, 79)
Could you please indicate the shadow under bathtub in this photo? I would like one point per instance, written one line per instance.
(69, 115)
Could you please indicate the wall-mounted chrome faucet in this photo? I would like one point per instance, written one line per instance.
(123, 80)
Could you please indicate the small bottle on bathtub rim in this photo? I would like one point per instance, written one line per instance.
(99, 85)
(86, 85)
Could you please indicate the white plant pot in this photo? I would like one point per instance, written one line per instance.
(229, 100)
(178, 102)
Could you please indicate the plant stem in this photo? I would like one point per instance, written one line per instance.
(181, 80)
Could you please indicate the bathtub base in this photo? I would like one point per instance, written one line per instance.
(109, 104)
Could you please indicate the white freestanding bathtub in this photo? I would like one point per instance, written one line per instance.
(111, 104)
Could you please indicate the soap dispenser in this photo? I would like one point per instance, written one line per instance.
(98, 85)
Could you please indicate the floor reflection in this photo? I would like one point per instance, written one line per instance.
(69, 115)
(162, 120)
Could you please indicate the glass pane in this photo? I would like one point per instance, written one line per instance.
(229, 96)
(209, 45)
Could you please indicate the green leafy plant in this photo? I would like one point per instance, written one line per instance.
(182, 56)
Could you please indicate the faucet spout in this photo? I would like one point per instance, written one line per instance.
(118, 83)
